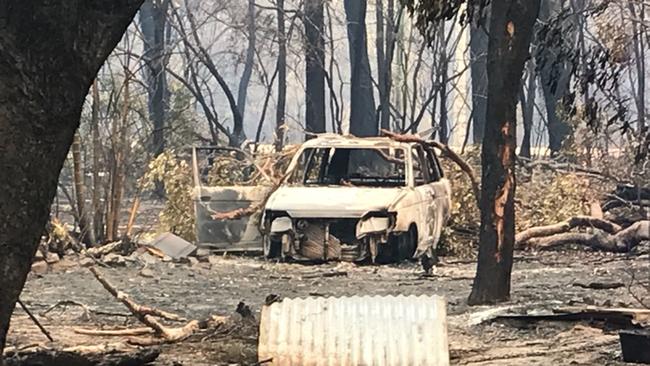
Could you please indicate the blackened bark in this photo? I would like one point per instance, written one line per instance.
(511, 29)
(153, 23)
(50, 53)
(242, 91)
(478, 68)
(380, 40)
(282, 78)
(385, 44)
(555, 76)
(315, 72)
(363, 120)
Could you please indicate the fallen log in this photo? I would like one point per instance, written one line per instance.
(48, 357)
(599, 285)
(565, 226)
(631, 193)
(146, 315)
(616, 202)
(618, 242)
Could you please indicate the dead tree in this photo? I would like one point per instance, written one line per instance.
(362, 102)
(85, 225)
(50, 54)
(245, 79)
(281, 66)
(153, 23)
(478, 53)
(511, 31)
(315, 67)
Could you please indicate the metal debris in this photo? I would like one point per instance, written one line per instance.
(355, 331)
(173, 246)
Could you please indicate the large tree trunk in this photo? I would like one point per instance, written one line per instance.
(50, 53)
(242, 91)
(511, 29)
(362, 102)
(315, 69)
(555, 76)
(153, 22)
(478, 53)
(280, 110)
(385, 43)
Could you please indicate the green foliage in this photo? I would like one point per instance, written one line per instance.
(460, 236)
(176, 175)
(544, 196)
(227, 170)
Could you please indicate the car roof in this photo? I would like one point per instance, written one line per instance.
(334, 140)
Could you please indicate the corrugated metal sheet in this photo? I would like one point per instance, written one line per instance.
(355, 331)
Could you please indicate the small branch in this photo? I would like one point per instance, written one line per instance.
(447, 152)
(115, 332)
(38, 324)
(140, 311)
(87, 310)
(145, 314)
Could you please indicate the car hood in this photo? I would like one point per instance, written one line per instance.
(326, 202)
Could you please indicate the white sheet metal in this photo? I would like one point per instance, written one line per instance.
(355, 331)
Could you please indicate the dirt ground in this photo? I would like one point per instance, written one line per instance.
(540, 281)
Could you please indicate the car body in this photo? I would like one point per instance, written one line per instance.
(357, 199)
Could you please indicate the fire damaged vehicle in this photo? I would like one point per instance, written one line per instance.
(358, 199)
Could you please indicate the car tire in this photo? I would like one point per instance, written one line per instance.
(272, 248)
(407, 244)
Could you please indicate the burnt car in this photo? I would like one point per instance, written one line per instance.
(358, 199)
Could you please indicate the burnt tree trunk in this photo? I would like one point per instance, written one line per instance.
(555, 75)
(385, 44)
(511, 29)
(280, 110)
(478, 50)
(315, 69)
(97, 207)
(85, 225)
(50, 54)
(242, 91)
(153, 22)
(363, 120)
(443, 128)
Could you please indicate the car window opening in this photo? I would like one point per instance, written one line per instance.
(368, 167)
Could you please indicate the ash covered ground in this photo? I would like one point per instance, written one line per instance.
(541, 281)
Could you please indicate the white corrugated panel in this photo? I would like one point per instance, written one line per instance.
(355, 330)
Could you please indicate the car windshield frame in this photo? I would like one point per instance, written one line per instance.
(367, 171)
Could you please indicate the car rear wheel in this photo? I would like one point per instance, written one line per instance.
(272, 248)
(407, 244)
(399, 247)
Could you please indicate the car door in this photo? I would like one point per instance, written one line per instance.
(427, 204)
(441, 191)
